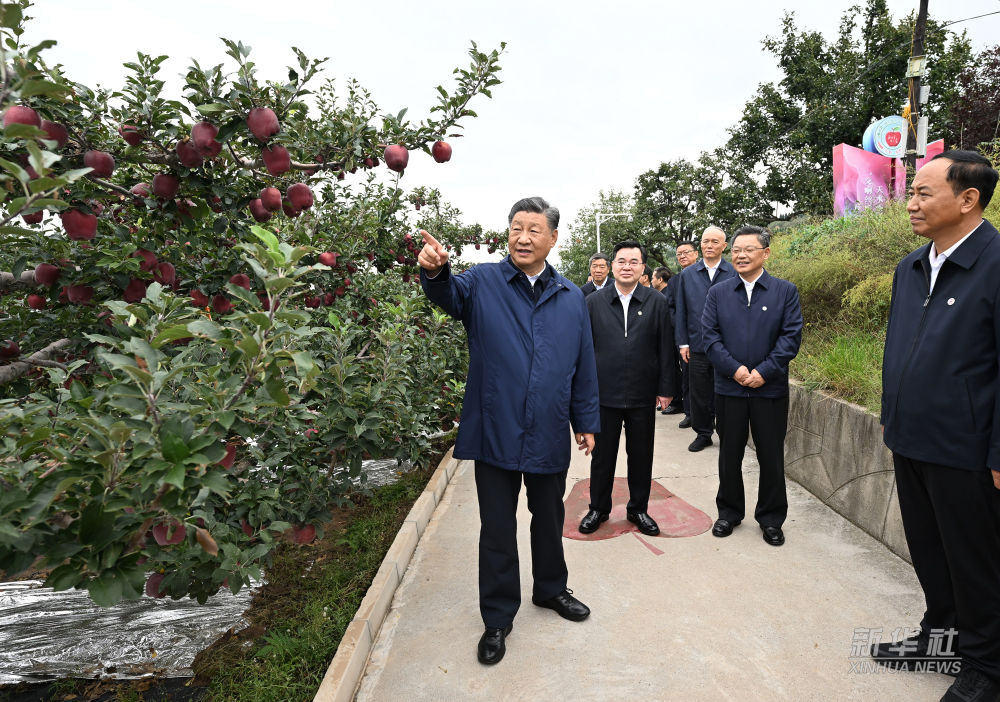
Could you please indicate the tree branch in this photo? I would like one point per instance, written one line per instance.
(7, 280)
(15, 370)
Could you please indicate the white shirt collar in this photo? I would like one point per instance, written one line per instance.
(934, 256)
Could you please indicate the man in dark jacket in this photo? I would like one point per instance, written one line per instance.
(531, 376)
(752, 330)
(941, 420)
(600, 267)
(693, 284)
(633, 344)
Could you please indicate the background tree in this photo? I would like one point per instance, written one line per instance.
(975, 108)
(580, 238)
(182, 386)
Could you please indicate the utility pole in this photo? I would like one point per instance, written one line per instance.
(604, 217)
(915, 72)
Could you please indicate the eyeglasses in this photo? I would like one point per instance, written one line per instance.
(748, 250)
(622, 263)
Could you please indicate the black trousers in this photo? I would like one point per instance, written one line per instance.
(951, 518)
(701, 390)
(767, 419)
(640, 426)
(499, 574)
(685, 381)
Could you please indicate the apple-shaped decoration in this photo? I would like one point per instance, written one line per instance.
(300, 197)
(441, 151)
(263, 123)
(396, 157)
(79, 225)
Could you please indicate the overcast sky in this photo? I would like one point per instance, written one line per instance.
(593, 93)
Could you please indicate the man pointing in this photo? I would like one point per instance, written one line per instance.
(531, 375)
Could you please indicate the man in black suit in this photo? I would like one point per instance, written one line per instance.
(692, 286)
(633, 345)
(941, 419)
(599, 269)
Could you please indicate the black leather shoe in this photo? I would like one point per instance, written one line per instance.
(645, 523)
(491, 645)
(724, 527)
(567, 606)
(906, 654)
(592, 520)
(699, 443)
(972, 686)
(685, 423)
(773, 535)
(672, 409)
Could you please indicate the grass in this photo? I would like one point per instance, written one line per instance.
(308, 602)
(847, 364)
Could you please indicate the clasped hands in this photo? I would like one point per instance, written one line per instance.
(748, 378)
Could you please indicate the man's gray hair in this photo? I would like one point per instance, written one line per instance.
(716, 228)
(763, 236)
(536, 205)
(600, 257)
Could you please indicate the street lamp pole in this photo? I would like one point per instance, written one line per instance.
(604, 217)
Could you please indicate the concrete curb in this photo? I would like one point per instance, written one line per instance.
(348, 665)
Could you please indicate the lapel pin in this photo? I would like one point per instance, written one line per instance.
(764, 308)
(640, 313)
(951, 301)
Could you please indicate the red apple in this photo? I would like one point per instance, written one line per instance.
(164, 273)
(148, 259)
(276, 159)
(199, 298)
(230, 457)
(270, 198)
(140, 190)
(245, 526)
(396, 157)
(130, 133)
(241, 279)
(153, 586)
(55, 132)
(33, 218)
(188, 155)
(300, 196)
(259, 212)
(289, 211)
(134, 291)
(263, 123)
(169, 533)
(19, 114)
(79, 294)
(166, 185)
(102, 162)
(36, 302)
(329, 258)
(9, 349)
(304, 534)
(371, 162)
(221, 304)
(46, 274)
(441, 151)
(78, 224)
(203, 135)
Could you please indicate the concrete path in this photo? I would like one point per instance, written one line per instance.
(706, 619)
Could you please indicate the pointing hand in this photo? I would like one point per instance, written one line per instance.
(432, 256)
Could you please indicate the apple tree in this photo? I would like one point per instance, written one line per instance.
(208, 313)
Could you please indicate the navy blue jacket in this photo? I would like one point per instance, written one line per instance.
(531, 366)
(692, 287)
(942, 357)
(764, 335)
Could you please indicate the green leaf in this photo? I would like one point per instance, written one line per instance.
(267, 237)
(249, 346)
(226, 418)
(105, 590)
(211, 107)
(276, 285)
(64, 577)
(205, 327)
(276, 389)
(41, 87)
(178, 331)
(175, 475)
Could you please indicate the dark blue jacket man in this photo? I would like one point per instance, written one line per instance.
(693, 285)
(941, 420)
(752, 329)
(531, 375)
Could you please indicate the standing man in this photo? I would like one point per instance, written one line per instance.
(661, 281)
(940, 418)
(661, 276)
(531, 375)
(752, 330)
(599, 269)
(693, 285)
(633, 344)
(646, 279)
(687, 255)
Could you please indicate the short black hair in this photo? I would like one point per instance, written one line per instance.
(970, 169)
(600, 257)
(663, 273)
(630, 244)
(763, 236)
(537, 205)
(687, 242)
(648, 272)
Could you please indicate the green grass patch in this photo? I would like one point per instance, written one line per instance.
(845, 363)
(312, 594)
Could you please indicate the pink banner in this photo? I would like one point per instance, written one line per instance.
(863, 180)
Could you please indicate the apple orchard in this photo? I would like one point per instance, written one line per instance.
(210, 314)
